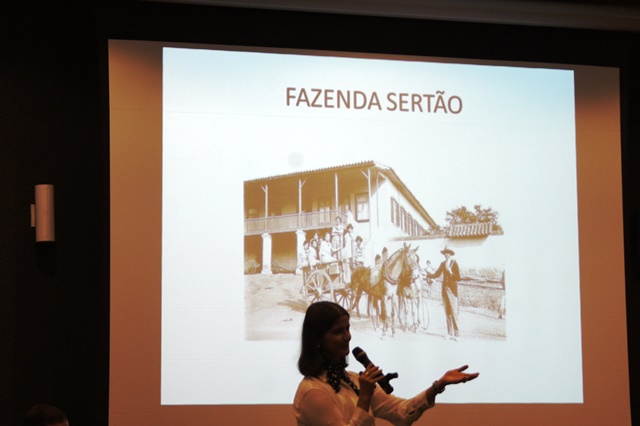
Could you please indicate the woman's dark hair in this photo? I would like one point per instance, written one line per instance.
(320, 317)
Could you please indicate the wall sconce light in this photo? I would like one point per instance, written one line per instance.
(42, 214)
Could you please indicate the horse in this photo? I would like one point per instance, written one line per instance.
(385, 284)
(361, 283)
(399, 281)
(409, 295)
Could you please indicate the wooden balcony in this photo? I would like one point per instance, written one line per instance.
(292, 222)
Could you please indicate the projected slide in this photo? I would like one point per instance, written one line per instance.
(290, 178)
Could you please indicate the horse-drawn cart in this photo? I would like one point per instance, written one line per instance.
(394, 288)
(326, 282)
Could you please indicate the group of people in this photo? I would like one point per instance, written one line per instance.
(341, 245)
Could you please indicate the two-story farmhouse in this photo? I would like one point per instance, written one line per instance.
(281, 212)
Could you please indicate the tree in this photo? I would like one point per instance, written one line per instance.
(462, 215)
(435, 229)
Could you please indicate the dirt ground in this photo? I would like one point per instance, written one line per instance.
(275, 308)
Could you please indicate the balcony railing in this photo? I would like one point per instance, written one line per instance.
(292, 222)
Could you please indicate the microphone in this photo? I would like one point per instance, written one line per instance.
(362, 357)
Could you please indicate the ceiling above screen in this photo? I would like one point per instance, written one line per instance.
(615, 15)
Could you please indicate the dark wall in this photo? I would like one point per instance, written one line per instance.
(54, 299)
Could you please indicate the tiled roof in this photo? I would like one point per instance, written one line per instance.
(322, 169)
(470, 230)
(389, 172)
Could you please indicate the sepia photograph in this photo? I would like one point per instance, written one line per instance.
(355, 234)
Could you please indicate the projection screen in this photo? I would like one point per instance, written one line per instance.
(226, 160)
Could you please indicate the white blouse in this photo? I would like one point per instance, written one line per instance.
(317, 404)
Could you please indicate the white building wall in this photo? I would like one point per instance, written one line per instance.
(471, 253)
(383, 230)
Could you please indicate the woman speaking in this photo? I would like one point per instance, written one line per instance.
(329, 395)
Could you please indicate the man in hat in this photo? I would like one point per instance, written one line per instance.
(348, 249)
(358, 252)
(450, 276)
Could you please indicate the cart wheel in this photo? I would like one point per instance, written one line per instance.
(318, 286)
(345, 298)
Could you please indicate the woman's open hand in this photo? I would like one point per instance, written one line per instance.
(457, 375)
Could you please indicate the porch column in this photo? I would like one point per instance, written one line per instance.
(266, 254)
(265, 189)
(335, 185)
(300, 236)
(372, 241)
(300, 185)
